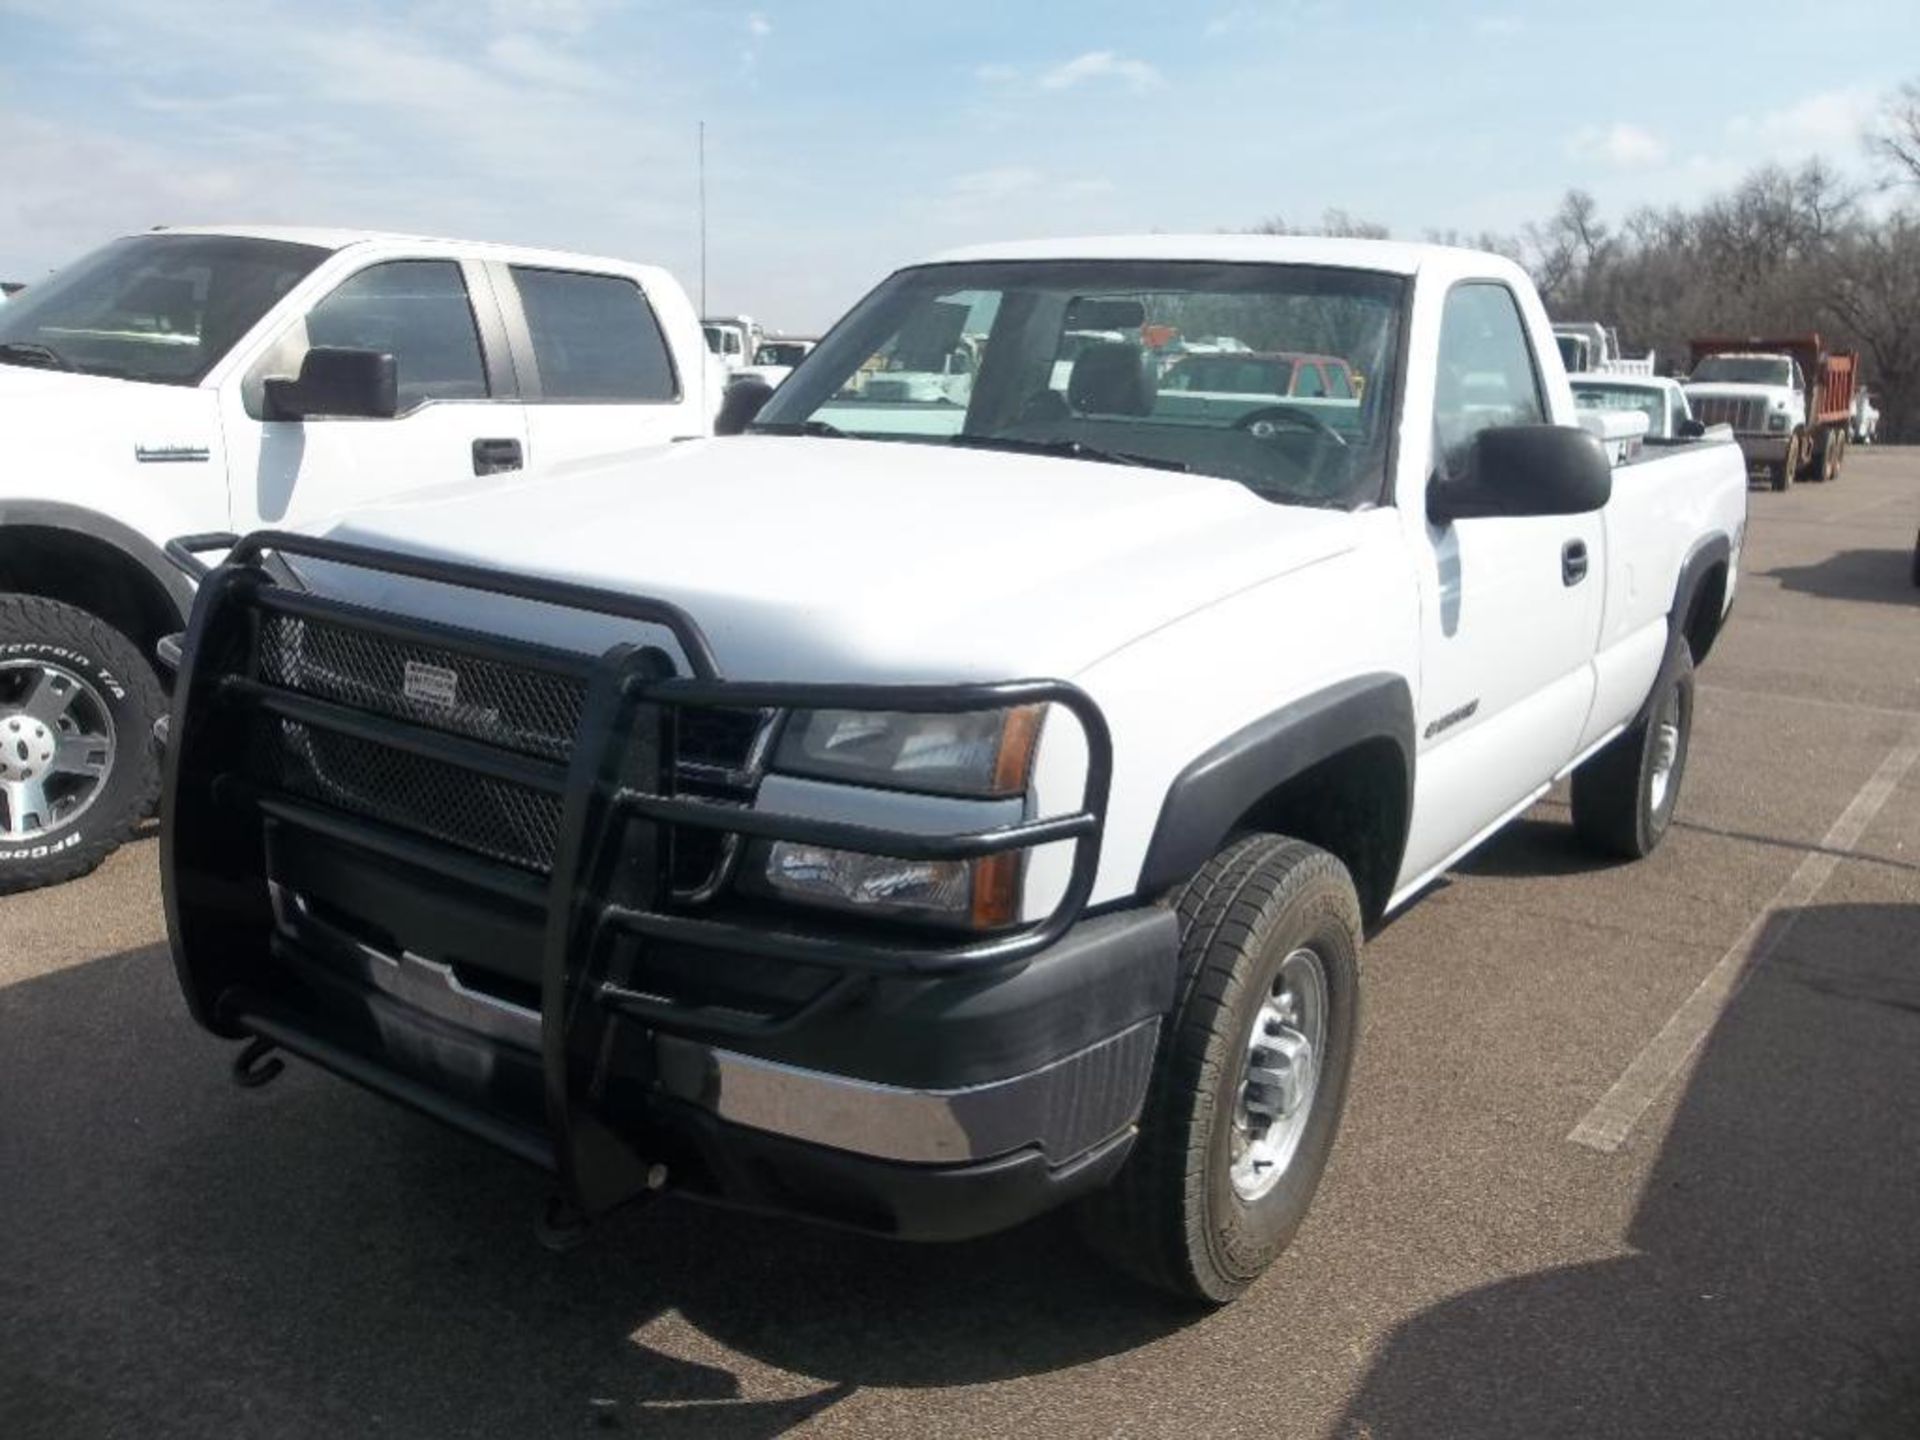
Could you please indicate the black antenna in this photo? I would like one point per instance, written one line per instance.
(703, 219)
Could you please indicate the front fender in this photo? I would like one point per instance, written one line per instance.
(1208, 797)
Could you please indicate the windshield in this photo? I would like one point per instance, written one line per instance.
(1745, 370)
(781, 352)
(1651, 403)
(1181, 364)
(156, 308)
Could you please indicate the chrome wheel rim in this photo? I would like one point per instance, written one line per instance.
(1666, 750)
(1280, 1075)
(56, 748)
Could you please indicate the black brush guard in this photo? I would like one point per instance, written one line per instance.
(608, 889)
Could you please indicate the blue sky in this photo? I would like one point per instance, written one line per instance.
(845, 138)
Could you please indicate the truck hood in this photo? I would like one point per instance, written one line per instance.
(828, 559)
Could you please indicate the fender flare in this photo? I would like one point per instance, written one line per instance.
(1714, 550)
(52, 515)
(1210, 795)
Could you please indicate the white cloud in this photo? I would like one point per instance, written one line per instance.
(758, 25)
(527, 57)
(395, 124)
(995, 184)
(1227, 21)
(564, 17)
(1829, 121)
(981, 204)
(1274, 17)
(1102, 65)
(1622, 145)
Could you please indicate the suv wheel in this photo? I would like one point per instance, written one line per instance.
(78, 764)
(1624, 797)
(1250, 1078)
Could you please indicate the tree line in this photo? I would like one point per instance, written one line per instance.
(1784, 252)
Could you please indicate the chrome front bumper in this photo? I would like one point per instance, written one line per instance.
(1065, 1108)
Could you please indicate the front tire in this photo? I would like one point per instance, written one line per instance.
(1789, 463)
(1624, 797)
(1250, 1078)
(79, 767)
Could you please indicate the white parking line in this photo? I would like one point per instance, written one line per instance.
(1608, 1124)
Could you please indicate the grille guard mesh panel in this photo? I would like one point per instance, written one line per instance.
(504, 705)
(489, 816)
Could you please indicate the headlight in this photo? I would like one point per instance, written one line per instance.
(971, 894)
(984, 753)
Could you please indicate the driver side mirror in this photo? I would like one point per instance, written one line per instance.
(1691, 429)
(743, 400)
(337, 383)
(1517, 470)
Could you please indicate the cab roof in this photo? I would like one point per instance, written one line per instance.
(336, 239)
(1389, 256)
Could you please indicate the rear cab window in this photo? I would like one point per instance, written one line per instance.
(595, 338)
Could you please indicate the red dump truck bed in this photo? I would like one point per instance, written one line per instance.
(1830, 373)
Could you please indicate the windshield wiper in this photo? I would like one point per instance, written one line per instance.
(1074, 449)
(799, 427)
(32, 352)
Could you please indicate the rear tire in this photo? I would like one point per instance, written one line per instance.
(79, 767)
(1194, 1212)
(1624, 797)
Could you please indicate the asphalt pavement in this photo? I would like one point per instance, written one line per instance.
(1632, 1150)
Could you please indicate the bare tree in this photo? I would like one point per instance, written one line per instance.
(1895, 139)
(1784, 251)
(1334, 222)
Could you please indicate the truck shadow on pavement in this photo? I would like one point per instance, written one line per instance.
(1774, 1284)
(179, 1257)
(1882, 575)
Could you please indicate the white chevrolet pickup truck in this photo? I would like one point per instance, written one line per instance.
(213, 380)
(916, 814)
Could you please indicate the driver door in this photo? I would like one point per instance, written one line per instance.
(456, 420)
(1510, 605)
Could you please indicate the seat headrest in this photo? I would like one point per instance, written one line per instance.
(1112, 378)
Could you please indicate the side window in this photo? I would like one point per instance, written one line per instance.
(1307, 381)
(1487, 375)
(594, 337)
(417, 311)
(1338, 385)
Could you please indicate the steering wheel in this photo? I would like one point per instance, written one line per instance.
(1270, 420)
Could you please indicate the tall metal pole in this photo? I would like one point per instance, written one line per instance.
(703, 219)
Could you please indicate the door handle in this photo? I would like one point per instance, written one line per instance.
(490, 457)
(1573, 562)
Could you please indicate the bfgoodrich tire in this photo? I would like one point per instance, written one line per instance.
(78, 764)
(1624, 797)
(1250, 1078)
